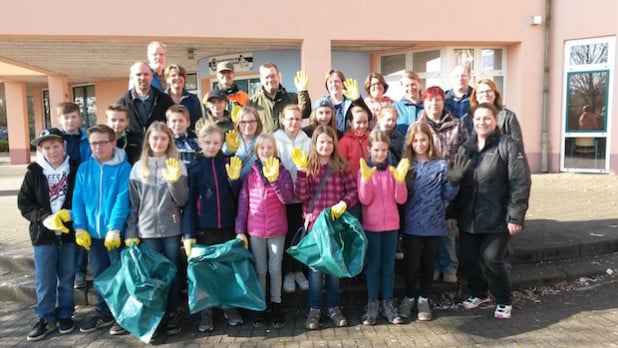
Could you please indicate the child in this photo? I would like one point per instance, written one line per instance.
(323, 113)
(380, 189)
(118, 120)
(78, 149)
(338, 193)
(387, 121)
(100, 210)
(248, 126)
(214, 183)
(158, 190)
(216, 114)
(353, 145)
(288, 137)
(44, 199)
(424, 219)
(184, 139)
(266, 189)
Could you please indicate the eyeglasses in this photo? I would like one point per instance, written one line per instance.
(99, 143)
(244, 123)
(489, 91)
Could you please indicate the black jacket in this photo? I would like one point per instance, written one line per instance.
(496, 188)
(33, 203)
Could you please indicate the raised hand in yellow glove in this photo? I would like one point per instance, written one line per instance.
(337, 210)
(188, 244)
(82, 238)
(271, 169)
(351, 89)
(233, 168)
(171, 172)
(299, 157)
(243, 237)
(54, 223)
(366, 172)
(400, 172)
(112, 240)
(234, 113)
(130, 241)
(232, 142)
(301, 81)
(65, 215)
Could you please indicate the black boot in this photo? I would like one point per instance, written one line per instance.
(277, 315)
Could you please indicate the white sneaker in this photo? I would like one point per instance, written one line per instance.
(475, 302)
(503, 311)
(302, 282)
(288, 283)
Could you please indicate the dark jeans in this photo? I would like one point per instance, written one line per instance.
(54, 272)
(100, 260)
(482, 262)
(81, 260)
(419, 259)
(294, 214)
(380, 267)
(170, 248)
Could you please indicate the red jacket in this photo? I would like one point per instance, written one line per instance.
(353, 147)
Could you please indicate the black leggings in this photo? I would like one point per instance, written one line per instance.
(420, 255)
(294, 214)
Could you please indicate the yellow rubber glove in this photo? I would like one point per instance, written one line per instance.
(54, 223)
(366, 172)
(171, 172)
(233, 168)
(130, 241)
(232, 141)
(188, 244)
(299, 157)
(234, 113)
(301, 81)
(337, 210)
(351, 89)
(112, 240)
(271, 169)
(65, 215)
(243, 237)
(82, 238)
(400, 172)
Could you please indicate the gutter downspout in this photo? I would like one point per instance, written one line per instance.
(546, 56)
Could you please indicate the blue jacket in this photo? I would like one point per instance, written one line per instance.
(457, 107)
(101, 195)
(187, 147)
(407, 113)
(424, 213)
(80, 148)
(212, 196)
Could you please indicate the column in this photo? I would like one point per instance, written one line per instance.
(17, 121)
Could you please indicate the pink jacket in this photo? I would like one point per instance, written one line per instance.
(379, 198)
(261, 207)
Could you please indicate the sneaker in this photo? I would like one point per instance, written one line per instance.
(424, 310)
(80, 281)
(475, 302)
(371, 315)
(302, 282)
(65, 326)
(288, 283)
(390, 312)
(232, 316)
(206, 321)
(116, 329)
(335, 314)
(406, 306)
(259, 320)
(313, 319)
(277, 315)
(96, 322)
(503, 311)
(173, 324)
(40, 330)
(449, 278)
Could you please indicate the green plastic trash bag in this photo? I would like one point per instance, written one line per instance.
(335, 247)
(135, 289)
(223, 275)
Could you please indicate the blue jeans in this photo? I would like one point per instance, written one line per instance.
(81, 260)
(447, 262)
(315, 289)
(100, 260)
(381, 250)
(54, 273)
(170, 248)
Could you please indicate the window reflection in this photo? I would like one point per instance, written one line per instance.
(584, 153)
(589, 54)
(587, 101)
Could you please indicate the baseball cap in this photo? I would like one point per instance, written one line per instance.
(323, 102)
(222, 66)
(46, 134)
(216, 93)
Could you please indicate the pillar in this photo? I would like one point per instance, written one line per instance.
(315, 59)
(17, 122)
(58, 92)
(39, 114)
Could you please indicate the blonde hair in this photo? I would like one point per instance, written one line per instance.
(261, 139)
(386, 109)
(423, 128)
(170, 152)
(335, 161)
(207, 130)
(378, 136)
(290, 107)
(246, 110)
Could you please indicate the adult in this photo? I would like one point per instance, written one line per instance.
(458, 97)
(588, 119)
(145, 104)
(375, 87)
(411, 104)
(486, 91)
(448, 134)
(156, 54)
(176, 78)
(489, 209)
(225, 82)
(341, 97)
(273, 97)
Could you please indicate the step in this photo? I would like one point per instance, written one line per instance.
(20, 287)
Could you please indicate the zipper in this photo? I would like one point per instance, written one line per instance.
(214, 172)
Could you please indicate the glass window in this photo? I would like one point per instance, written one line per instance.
(191, 83)
(464, 56)
(87, 101)
(589, 54)
(394, 64)
(585, 152)
(491, 59)
(428, 61)
(587, 101)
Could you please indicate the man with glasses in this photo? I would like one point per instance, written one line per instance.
(457, 99)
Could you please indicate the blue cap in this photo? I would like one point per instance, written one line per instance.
(323, 102)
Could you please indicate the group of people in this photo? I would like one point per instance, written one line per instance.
(164, 173)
